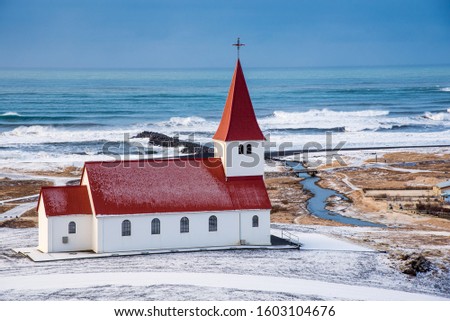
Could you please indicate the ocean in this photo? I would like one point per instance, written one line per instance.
(67, 116)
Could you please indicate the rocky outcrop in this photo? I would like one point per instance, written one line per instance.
(186, 147)
(414, 263)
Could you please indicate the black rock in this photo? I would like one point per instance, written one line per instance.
(187, 147)
(415, 263)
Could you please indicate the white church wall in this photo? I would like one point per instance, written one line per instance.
(170, 237)
(236, 164)
(85, 182)
(97, 234)
(59, 228)
(255, 235)
(43, 235)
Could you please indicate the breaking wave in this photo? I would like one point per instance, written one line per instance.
(10, 114)
(183, 121)
(438, 116)
(447, 89)
(310, 122)
(38, 134)
(325, 119)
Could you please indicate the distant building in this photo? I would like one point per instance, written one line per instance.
(446, 197)
(442, 190)
(170, 203)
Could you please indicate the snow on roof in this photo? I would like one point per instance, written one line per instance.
(238, 119)
(443, 184)
(65, 200)
(171, 185)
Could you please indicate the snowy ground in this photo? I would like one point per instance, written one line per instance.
(223, 275)
(358, 158)
(17, 211)
(320, 242)
(294, 286)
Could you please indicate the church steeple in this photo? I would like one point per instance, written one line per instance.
(238, 140)
(238, 118)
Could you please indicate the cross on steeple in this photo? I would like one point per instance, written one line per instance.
(238, 45)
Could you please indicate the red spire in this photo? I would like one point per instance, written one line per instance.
(238, 118)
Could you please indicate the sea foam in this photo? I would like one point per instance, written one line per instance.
(37, 134)
(310, 121)
(325, 119)
(438, 116)
(447, 89)
(184, 121)
(10, 113)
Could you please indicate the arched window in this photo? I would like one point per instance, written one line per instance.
(72, 228)
(255, 221)
(241, 149)
(156, 226)
(249, 148)
(126, 228)
(184, 225)
(212, 223)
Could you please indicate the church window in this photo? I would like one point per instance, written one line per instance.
(156, 226)
(184, 225)
(72, 228)
(213, 223)
(241, 149)
(126, 228)
(255, 221)
(249, 148)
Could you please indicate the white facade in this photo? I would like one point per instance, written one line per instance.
(43, 236)
(54, 233)
(85, 182)
(247, 162)
(250, 235)
(104, 233)
(230, 231)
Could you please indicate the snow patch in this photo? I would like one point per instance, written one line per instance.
(217, 280)
(316, 241)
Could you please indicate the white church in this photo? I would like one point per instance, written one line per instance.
(171, 203)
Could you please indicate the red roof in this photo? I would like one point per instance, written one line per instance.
(171, 185)
(65, 200)
(238, 118)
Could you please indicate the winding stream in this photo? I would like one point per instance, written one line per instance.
(317, 203)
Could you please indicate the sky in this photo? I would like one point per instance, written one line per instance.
(199, 33)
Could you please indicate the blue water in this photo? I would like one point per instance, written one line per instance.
(316, 205)
(65, 112)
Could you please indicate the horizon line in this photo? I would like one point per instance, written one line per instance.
(225, 68)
